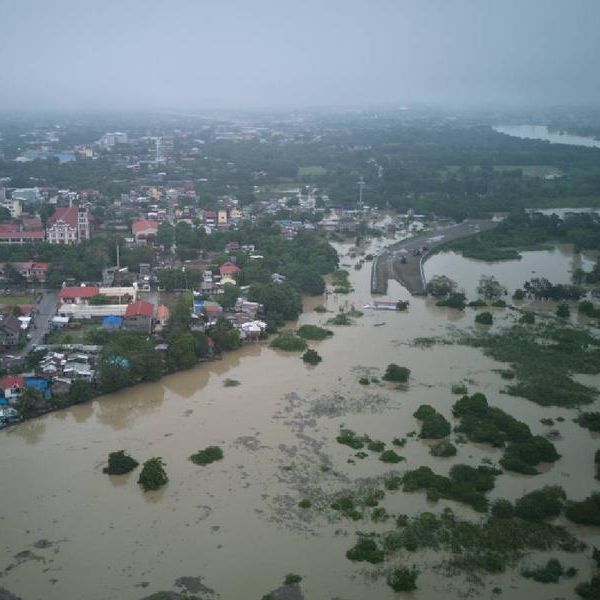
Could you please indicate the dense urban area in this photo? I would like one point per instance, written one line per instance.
(134, 247)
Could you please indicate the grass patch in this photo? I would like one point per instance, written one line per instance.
(340, 319)
(312, 171)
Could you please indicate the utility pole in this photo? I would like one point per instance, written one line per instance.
(361, 185)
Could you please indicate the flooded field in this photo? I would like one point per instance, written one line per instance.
(233, 530)
(556, 264)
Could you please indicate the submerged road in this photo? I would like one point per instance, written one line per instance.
(400, 262)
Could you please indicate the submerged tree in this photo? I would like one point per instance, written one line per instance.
(153, 475)
(120, 463)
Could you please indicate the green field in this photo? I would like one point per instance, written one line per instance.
(16, 299)
(315, 171)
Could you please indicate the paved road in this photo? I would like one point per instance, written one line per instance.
(45, 309)
(410, 274)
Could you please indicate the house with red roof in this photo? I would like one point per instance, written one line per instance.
(144, 230)
(12, 233)
(228, 268)
(11, 386)
(138, 316)
(78, 294)
(68, 225)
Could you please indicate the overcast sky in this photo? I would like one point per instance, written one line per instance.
(269, 53)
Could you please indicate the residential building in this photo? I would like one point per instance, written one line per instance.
(138, 316)
(13, 206)
(12, 233)
(10, 329)
(228, 268)
(144, 230)
(31, 271)
(11, 387)
(78, 294)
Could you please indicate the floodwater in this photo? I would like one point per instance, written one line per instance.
(69, 531)
(557, 265)
(541, 132)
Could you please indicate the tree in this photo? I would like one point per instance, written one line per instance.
(180, 315)
(224, 335)
(11, 275)
(80, 391)
(440, 286)
(489, 288)
(165, 236)
(30, 402)
(396, 373)
(230, 295)
(153, 475)
(563, 311)
(403, 579)
(120, 463)
(182, 352)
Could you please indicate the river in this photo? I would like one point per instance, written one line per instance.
(69, 531)
(541, 132)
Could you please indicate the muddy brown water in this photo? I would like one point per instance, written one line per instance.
(69, 531)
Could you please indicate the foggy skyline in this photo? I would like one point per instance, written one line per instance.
(234, 54)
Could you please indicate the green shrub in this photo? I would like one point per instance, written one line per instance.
(443, 449)
(396, 373)
(589, 590)
(551, 572)
(289, 342)
(292, 579)
(460, 389)
(340, 319)
(403, 579)
(376, 446)
(305, 503)
(527, 318)
(484, 318)
(366, 550)
(435, 427)
(311, 357)
(389, 456)
(589, 420)
(465, 484)
(364, 381)
(153, 475)
(207, 456)
(424, 412)
(120, 463)
(402, 305)
(539, 505)
(349, 438)
(479, 303)
(586, 512)
(314, 332)
(503, 509)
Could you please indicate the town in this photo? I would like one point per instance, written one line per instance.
(99, 284)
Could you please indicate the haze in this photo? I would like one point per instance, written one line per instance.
(193, 54)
